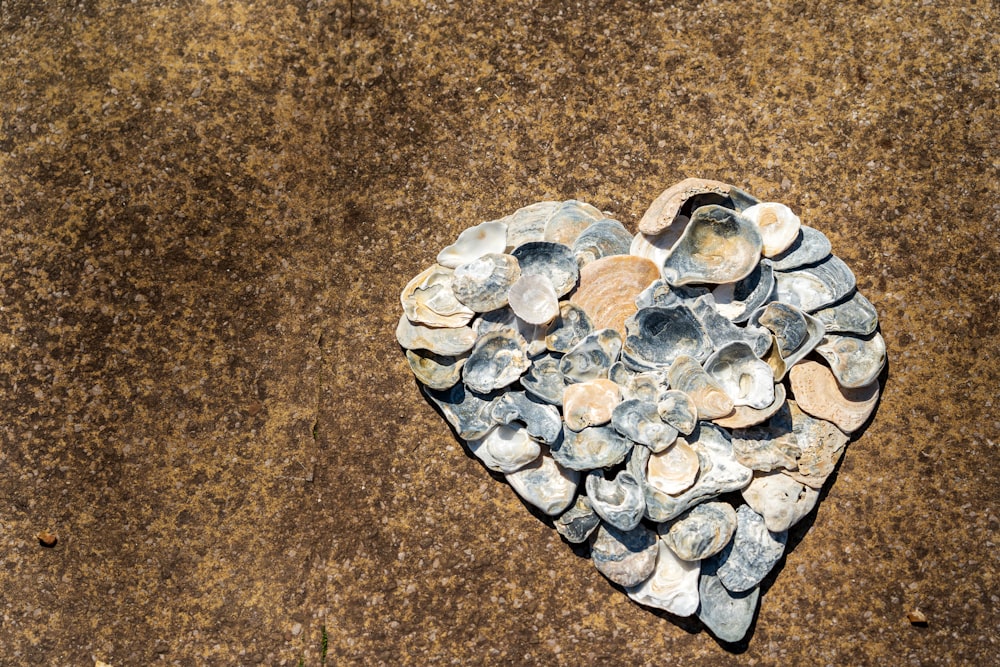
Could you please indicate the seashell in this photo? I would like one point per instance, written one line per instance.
(594, 447)
(434, 370)
(809, 247)
(753, 552)
(609, 286)
(552, 260)
(657, 336)
(541, 421)
(816, 286)
(625, 557)
(796, 334)
(544, 380)
(569, 220)
(545, 484)
(818, 393)
(578, 522)
(673, 586)
(470, 414)
(778, 226)
(527, 224)
(745, 416)
(429, 299)
(647, 386)
(640, 422)
(505, 449)
(721, 331)
(738, 300)
(504, 318)
(781, 500)
(604, 238)
(768, 447)
(589, 403)
(684, 197)
(710, 399)
(678, 409)
(448, 342)
(718, 246)
(821, 444)
(674, 470)
(569, 328)
(533, 299)
(657, 247)
(854, 316)
(745, 378)
(474, 242)
(856, 362)
(700, 532)
(592, 357)
(498, 359)
(726, 614)
(483, 283)
(661, 293)
(618, 501)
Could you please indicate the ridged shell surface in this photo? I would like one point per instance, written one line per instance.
(609, 286)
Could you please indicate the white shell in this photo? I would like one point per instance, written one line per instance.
(673, 586)
(474, 242)
(778, 226)
(745, 378)
(781, 500)
(505, 449)
(533, 299)
(545, 484)
(449, 342)
(430, 299)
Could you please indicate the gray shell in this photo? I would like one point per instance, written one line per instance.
(591, 358)
(569, 328)
(677, 409)
(578, 522)
(737, 300)
(528, 224)
(821, 444)
(470, 414)
(590, 448)
(768, 446)
(568, 221)
(781, 500)
(434, 370)
(545, 484)
(504, 318)
(505, 449)
(544, 380)
(753, 552)
(448, 342)
(656, 336)
(742, 375)
(498, 359)
(542, 421)
(809, 247)
(718, 246)
(640, 422)
(855, 361)
(813, 287)
(727, 615)
(625, 557)
(855, 316)
(700, 532)
(602, 239)
(662, 293)
(618, 501)
(646, 386)
(483, 283)
(722, 331)
(555, 261)
(796, 334)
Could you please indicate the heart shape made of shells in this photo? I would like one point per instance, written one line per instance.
(675, 400)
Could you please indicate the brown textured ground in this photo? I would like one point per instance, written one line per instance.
(209, 210)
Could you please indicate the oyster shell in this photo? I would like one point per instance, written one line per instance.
(604, 238)
(533, 299)
(673, 470)
(657, 336)
(821, 444)
(795, 333)
(768, 447)
(569, 220)
(569, 328)
(544, 380)
(661, 293)
(593, 447)
(678, 409)
(754, 552)
(498, 359)
(745, 416)
(625, 557)
(856, 362)
(527, 224)
(592, 357)
(430, 300)
(657, 247)
(646, 386)
(700, 532)
(474, 242)
(778, 226)
(578, 522)
(816, 286)
(469, 413)
(689, 194)
(618, 501)
(448, 342)
(590, 403)
(541, 421)
(746, 379)
(809, 247)
(545, 484)
(483, 283)
(640, 422)
(718, 246)
(555, 261)
(505, 448)
(818, 393)
(710, 399)
(434, 370)
(781, 500)
(728, 615)
(738, 300)
(673, 586)
(854, 316)
(504, 318)
(722, 331)
(609, 286)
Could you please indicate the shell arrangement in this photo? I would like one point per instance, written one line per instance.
(674, 400)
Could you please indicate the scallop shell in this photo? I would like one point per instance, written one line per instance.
(592, 357)
(545, 484)
(572, 325)
(469, 413)
(604, 238)
(625, 557)
(498, 359)
(738, 300)
(701, 532)
(555, 261)
(818, 393)
(640, 422)
(569, 220)
(528, 224)
(718, 246)
(778, 226)
(856, 362)
(534, 300)
(544, 380)
(594, 447)
(657, 247)
(745, 378)
(618, 501)
(689, 194)
(745, 416)
(710, 399)
(429, 299)
(541, 420)
(449, 342)
(578, 522)
(434, 370)
(609, 286)
(673, 586)
(505, 449)
(816, 286)
(474, 242)
(657, 336)
(678, 409)
(483, 283)
(590, 403)
(855, 316)
(809, 247)
(781, 500)
(674, 470)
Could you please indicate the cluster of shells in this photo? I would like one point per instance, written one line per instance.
(675, 400)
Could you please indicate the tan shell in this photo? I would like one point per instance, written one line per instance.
(657, 247)
(781, 500)
(821, 444)
(663, 210)
(568, 220)
(474, 242)
(711, 400)
(448, 342)
(745, 416)
(778, 226)
(430, 299)
(434, 370)
(609, 286)
(673, 470)
(718, 246)
(818, 393)
(590, 403)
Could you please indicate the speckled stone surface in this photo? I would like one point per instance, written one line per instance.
(209, 210)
